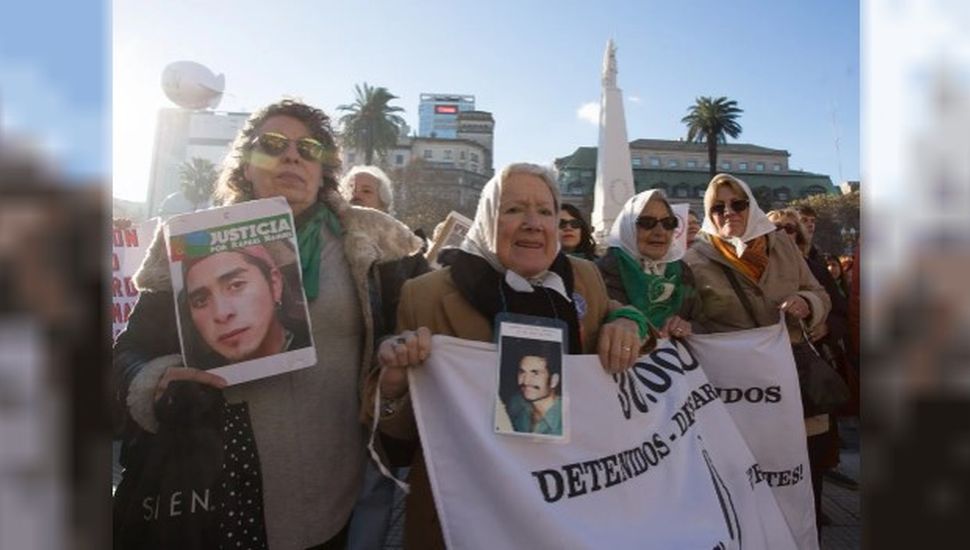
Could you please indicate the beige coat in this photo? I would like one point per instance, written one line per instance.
(434, 301)
(787, 273)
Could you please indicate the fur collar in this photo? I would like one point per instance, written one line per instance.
(370, 237)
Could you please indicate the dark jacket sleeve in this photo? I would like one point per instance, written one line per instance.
(610, 270)
(392, 277)
(151, 332)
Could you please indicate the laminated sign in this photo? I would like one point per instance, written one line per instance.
(239, 298)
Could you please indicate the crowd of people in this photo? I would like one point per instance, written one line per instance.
(374, 303)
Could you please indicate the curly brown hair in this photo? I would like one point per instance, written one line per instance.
(233, 187)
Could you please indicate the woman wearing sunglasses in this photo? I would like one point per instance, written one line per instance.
(575, 235)
(740, 250)
(642, 266)
(308, 436)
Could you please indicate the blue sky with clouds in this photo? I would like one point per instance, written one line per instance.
(792, 66)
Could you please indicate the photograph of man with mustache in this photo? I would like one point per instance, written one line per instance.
(537, 405)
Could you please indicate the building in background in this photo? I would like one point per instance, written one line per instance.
(183, 134)
(441, 169)
(681, 169)
(438, 114)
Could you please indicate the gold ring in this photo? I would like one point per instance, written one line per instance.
(626, 348)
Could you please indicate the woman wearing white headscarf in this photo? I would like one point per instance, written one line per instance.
(642, 265)
(737, 241)
(510, 261)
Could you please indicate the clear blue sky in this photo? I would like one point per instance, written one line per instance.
(789, 64)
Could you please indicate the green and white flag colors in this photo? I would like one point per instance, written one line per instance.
(653, 459)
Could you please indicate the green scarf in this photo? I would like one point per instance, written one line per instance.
(645, 290)
(308, 225)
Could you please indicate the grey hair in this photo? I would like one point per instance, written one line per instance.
(385, 187)
(547, 173)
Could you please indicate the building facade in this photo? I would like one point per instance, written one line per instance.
(681, 170)
(183, 134)
(438, 114)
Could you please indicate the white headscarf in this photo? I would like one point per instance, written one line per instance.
(482, 237)
(758, 222)
(623, 233)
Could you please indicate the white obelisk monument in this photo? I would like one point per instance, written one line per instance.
(614, 173)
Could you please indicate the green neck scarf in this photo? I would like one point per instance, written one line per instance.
(308, 225)
(656, 296)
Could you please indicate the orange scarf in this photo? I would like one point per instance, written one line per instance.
(754, 260)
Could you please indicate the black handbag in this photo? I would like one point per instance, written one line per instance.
(196, 484)
(822, 389)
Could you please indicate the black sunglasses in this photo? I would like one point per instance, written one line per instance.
(737, 206)
(789, 228)
(274, 145)
(574, 223)
(649, 222)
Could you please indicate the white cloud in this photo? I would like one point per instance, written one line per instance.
(633, 98)
(590, 112)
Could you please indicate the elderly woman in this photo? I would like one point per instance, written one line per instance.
(740, 250)
(308, 436)
(368, 186)
(509, 261)
(575, 235)
(642, 266)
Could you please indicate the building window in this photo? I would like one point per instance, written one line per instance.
(681, 191)
(474, 157)
(637, 162)
(654, 161)
(776, 167)
(474, 167)
(742, 166)
(351, 157)
(760, 167)
(782, 194)
(461, 154)
(726, 165)
(699, 191)
(672, 163)
(692, 164)
(427, 153)
(399, 159)
(447, 154)
(461, 165)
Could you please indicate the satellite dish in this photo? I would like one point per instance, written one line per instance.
(192, 86)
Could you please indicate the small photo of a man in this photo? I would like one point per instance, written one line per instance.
(531, 386)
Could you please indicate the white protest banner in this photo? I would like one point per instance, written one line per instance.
(129, 246)
(652, 459)
(754, 373)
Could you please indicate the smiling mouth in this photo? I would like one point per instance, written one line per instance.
(531, 245)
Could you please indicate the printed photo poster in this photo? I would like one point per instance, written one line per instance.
(452, 234)
(239, 299)
(531, 399)
(128, 248)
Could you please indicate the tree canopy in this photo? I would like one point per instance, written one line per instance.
(371, 124)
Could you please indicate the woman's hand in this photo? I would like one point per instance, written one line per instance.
(820, 331)
(619, 345)
(195, 375)
(796, 306)
(675, 327)
(396, 354)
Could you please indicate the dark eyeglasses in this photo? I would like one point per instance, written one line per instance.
(649, 222)
(274, 145)
(574, 223)
(788, 227)
(737, 206)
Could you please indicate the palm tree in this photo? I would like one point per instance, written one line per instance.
(708, 120)
(198, 179)
(371, 125)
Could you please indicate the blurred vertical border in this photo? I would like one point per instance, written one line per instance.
(916, 273)
(55, 102)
